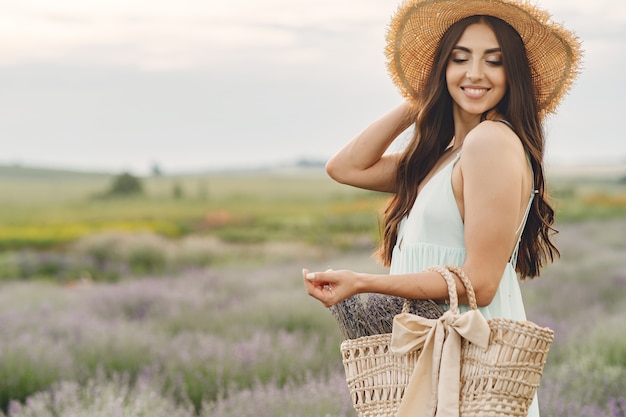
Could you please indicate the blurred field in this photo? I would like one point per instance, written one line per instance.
(45, 211)
(40, 208)
(191, 303)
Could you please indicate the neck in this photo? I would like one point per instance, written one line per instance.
(461, 129)
(465, 122)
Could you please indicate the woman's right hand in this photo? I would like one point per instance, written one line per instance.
(330, 287)
(362, 162)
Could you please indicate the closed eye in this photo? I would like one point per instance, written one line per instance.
(459, 56)
(494, 58)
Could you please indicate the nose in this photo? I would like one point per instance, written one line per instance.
(475, 71)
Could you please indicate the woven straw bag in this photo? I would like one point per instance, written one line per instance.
(376, 377)
(500, 380)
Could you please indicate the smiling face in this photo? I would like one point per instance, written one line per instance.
(475, 75)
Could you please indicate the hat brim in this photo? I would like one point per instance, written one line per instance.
(416, 29)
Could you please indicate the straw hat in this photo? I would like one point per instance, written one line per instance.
(418, 26)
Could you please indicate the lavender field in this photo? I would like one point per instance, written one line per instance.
(245, 340)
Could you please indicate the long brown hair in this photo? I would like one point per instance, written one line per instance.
(434, 130)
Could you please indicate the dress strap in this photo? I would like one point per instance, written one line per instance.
(520, 228)
(506, 122)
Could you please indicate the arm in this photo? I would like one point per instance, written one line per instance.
(493, 195)
(362, 163)
(496, 185)
(331, 287)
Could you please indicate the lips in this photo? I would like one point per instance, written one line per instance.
(475, 92)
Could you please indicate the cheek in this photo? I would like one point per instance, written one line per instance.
(498, 81)
(501, 79)
(452, 77)
(451, 74)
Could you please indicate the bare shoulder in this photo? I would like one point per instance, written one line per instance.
(494, 143)
(490, 134)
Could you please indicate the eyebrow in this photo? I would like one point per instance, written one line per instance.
(487, 51)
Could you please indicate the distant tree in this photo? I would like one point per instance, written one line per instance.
(125, 184)
(622, 180)
(156, 170)
(310, 163)
(177, 191)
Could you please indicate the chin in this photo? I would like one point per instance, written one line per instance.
(475, 110)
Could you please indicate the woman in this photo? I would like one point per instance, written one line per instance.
(479, 76)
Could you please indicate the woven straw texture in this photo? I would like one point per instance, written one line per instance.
(500, 381)
(376, 377)
(503, 380)
(417, 27)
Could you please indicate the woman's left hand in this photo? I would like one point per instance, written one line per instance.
(330, 287)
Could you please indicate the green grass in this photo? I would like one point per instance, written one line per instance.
(36, 211)
(49, 210)
(579, 198)
(56, 210)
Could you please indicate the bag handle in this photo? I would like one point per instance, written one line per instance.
(469, 288)
(445, 272)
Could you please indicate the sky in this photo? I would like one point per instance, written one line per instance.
(124, 85)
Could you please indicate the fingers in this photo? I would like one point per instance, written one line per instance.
(315, 280)
(318, 286)
(314, 276)
(308, 276)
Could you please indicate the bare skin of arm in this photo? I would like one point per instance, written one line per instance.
(491, 183)
(362, 162)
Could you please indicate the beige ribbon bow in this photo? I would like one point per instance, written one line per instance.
(434, 387)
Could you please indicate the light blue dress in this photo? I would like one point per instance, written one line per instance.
(433, 234)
